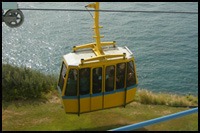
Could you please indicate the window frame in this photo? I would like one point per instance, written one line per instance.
(134, 69)
(114, 83)
(79, 80)
(101, 79)
(125, 73)
(70, 68)
(60, 76)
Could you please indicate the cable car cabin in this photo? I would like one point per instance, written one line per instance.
(98, 83)
(97, 77)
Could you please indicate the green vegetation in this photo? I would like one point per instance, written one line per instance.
(24, 83)
(50, 116)
(31, 103)
(146, 97)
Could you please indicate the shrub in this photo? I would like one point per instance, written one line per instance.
(24, 83)
(146, 97)
(178, 101)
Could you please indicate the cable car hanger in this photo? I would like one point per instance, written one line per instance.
(96, 47)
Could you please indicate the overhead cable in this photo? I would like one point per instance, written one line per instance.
(127, 11)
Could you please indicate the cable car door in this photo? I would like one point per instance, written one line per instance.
(84, 89)
(109, 85)
(114, 78)
(97, 93)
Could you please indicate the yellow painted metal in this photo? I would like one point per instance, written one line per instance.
(65, 82)
(67, 73)
(114, 99)
(91, 79)
(104, 62)
(63, 60)
(96, 47)
(120, 96)
(96, 30)
(59, 72)
(130, 95)
(96, 103)
(114, 76)
(101, 57)
(135, 71)
(85, 104)
(97, 36)
(90, 45)
(70, 105)
(108, 43)
(109, 100)
(95, 27)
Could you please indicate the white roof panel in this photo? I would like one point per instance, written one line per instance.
(74, 58)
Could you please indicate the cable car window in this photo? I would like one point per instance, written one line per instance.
(97, 80)
(84, 81)
(110, 78)
(130, 74)
(71, 88)
(62, 76)
(120, 78)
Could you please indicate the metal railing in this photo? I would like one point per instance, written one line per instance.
(157, 120)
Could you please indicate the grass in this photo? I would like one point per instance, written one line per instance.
(50, 116)
(147, 97)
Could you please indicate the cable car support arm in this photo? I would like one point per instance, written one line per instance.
(95, 46)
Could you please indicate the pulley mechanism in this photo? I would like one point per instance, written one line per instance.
(13, 17)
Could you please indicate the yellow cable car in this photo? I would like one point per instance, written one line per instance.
(97, 77)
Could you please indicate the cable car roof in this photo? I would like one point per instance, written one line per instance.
(74, 58)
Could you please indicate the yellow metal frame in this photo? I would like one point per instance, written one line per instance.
(103, 57)
(65, 83)
(96, 66)
(135, 71)
(61, 68)
(103, 62)
(125, 71)
(105, 66)
(96, 47)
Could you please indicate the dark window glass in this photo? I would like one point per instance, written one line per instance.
(62, 76)
(97, 80)
(71, 88)
(84, 81)
(120, 78)
(110, 78)
(130, 74)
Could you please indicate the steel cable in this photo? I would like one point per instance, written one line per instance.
(127, 11)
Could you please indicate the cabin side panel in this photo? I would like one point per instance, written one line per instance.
(71, 105)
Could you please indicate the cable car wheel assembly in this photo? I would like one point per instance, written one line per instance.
(13, 18)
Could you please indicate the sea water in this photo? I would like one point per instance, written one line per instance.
(165, 46)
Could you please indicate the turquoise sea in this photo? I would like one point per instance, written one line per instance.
(165, 46)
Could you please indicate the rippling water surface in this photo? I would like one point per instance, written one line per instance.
(165, 46)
